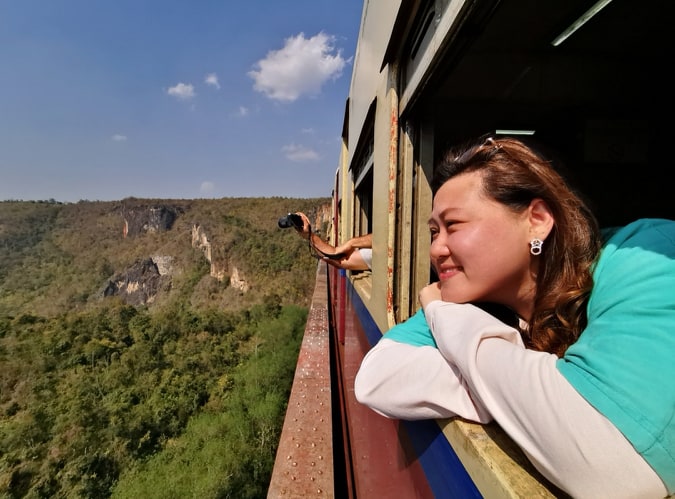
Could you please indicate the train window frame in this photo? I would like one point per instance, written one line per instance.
(362, 180)
(363, 211)
(415, 168)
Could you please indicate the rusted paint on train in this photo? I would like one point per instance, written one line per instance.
(392, 203)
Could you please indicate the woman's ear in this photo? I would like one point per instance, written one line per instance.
(540, 218)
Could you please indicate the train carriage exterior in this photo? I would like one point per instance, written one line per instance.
(429, 74)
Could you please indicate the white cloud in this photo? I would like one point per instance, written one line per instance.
(212, 79)
(182, 91)
(301, 67)
(299, 153)
(118, 137)
(242, 111)
(207, 187)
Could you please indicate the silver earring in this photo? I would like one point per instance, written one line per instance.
(535, 246)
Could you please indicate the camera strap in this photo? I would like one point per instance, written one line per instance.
(316, 252)
(320, 255)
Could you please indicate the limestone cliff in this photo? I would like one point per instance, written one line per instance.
(141, 219)
(219, 270)
(140, 284)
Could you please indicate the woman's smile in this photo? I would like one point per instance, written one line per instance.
(447, 272)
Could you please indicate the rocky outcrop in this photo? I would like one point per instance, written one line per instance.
(164, 264)
(138, 220)
(238, 282)
(200, 240)
(141, 283)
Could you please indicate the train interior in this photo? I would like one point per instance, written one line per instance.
(600, 99)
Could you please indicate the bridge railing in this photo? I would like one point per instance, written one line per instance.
(304, 463)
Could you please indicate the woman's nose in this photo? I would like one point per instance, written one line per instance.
(439, 248)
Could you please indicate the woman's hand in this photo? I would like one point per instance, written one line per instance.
(429, 293)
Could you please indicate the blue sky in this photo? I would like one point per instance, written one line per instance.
(103, 100)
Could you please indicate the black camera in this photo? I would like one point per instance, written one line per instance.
(290, 220)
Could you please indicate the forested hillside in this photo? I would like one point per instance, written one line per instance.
(147, 347)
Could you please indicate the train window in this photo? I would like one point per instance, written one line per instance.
(364, 157)
(362, 178)
(425, 27)
(421, 35)
(364, 204)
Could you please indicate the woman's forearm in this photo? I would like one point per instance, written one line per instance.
(410, 382)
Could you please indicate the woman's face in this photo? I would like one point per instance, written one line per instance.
(479, 248)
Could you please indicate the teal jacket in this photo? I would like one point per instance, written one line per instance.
(624, 361)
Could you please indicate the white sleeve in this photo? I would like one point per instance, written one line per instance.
(367, 255)
(566, 438)
(411, 382)
(459, 330)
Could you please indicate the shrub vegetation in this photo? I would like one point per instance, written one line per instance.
(181, 397)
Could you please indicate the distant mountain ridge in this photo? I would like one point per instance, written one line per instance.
(227, 253)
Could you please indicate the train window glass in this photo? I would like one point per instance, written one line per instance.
(422, 32)
(364, 205)
(425, 27)
(364, 157)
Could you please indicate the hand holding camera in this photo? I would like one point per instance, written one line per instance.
(291, 220)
